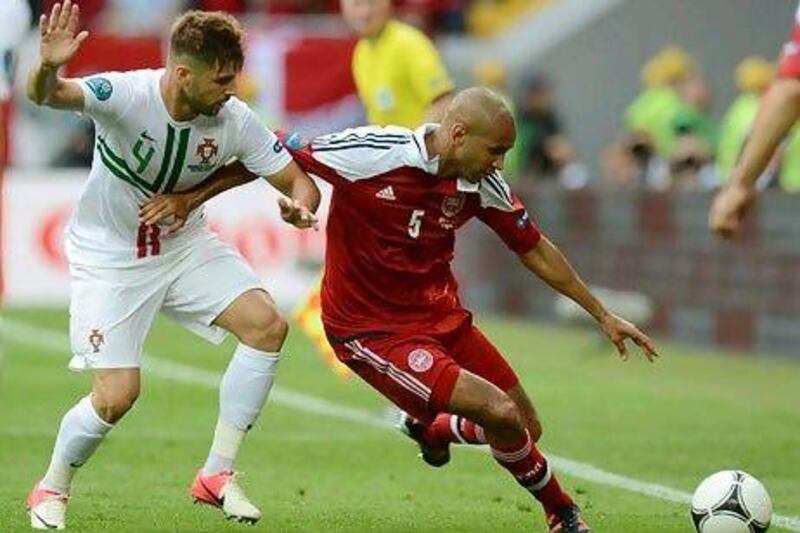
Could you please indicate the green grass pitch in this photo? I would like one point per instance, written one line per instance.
(314, 461)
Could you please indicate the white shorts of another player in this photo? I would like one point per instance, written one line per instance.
(112, 309)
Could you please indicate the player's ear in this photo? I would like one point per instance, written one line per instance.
(183, 73)
(458, 134)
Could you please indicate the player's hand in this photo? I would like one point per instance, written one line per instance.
(619, 330)
(729, 207)
(59, 34)
(296, 214)
(171, 209)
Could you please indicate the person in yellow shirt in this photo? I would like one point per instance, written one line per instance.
(401, 80)
(399, 75)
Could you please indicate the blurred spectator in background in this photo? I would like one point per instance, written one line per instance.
(545, 151)
(691, 158)
(488, 18)
(753, 76)
(633, 162)
(15, 17)
(691, 165)
(492, 74)
(693, 115)
(653, 110)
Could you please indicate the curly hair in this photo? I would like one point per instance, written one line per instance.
(210, 37)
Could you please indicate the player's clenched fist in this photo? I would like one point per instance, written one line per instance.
(730, 205)
(60, 38)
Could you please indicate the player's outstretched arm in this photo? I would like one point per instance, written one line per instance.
(60, 41)
(779, 111)
(548, 263)
(176, 207)
(303, 196)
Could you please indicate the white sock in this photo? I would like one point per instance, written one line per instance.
(242, 393)
(80, 434)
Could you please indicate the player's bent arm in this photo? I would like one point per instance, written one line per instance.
(779, 111)
(549, 264)
(46, 87)
(293, 182)
(227, 177)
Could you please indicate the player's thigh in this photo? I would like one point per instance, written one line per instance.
(111, 312)
(474, 352)
(211, 280)
(416, 373)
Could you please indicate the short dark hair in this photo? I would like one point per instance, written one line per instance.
(211, 37)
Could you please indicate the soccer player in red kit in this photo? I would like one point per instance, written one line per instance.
(778, 113)
(390, 303)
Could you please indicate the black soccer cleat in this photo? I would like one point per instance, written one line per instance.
(568, 520)
(414, 429)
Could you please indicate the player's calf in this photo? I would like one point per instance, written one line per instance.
(511, 444)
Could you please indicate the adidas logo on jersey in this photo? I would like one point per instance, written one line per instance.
(387, 193)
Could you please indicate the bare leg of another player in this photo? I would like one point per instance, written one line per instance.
(82, 429)
(244, 389)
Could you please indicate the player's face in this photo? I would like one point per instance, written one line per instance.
(208, 88)
(481, 153)
(366, 17)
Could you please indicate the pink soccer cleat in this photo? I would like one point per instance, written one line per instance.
(47, 508)
(222, 491)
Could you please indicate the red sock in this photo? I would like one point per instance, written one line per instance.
(529, 467)
(451, 429)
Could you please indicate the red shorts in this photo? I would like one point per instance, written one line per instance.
(418, 372)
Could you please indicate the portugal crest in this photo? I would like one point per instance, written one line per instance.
(207, 150)
(96, 339)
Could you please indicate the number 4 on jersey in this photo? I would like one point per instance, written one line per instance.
(415, 222)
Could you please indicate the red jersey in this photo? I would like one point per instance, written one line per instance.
(790, 58)
(391, 229)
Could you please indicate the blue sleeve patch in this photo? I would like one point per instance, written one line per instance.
(101, 87)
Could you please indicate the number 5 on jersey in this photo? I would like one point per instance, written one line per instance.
(415, 222)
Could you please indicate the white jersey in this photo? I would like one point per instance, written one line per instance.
(141, 151)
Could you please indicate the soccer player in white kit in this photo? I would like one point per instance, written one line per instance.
(160, 131)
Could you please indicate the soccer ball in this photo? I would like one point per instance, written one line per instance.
(731, 501)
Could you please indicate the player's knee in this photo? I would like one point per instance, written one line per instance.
(267, 331)
(112, 405)
(504, 418)
(535, 429)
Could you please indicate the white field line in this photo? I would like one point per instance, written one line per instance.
(23, 333)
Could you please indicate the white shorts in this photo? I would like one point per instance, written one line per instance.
(112, 309)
